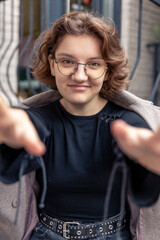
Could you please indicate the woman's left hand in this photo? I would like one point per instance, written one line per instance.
(140, 144)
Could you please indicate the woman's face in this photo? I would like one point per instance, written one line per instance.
(78, 90)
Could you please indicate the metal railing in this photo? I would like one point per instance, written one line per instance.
(16, 47)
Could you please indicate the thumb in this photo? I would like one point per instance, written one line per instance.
(119, 129)
(33, 144)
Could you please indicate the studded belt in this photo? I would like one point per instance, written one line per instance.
(76, 230)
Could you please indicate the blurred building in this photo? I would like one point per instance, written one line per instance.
(21, 21)
(140, 35)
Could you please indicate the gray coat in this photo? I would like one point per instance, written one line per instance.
(144, 222)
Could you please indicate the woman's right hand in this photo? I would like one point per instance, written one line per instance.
(17, 130)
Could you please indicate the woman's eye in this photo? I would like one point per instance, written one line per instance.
(67, 61)
(94, 64)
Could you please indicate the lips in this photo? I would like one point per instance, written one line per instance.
(79, 87)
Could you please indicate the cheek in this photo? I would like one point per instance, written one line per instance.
(99, 82)
(105, 78)
(60, 81)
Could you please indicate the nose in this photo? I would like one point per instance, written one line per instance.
(80, 75)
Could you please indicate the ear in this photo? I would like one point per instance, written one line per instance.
(51, 62)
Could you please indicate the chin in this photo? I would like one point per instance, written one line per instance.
(78, 101)
(76, 98)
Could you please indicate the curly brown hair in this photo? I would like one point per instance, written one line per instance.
(80, 23)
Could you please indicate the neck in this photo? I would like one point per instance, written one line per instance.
(89, 109)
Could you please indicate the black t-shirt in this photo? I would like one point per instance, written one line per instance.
(79, 159)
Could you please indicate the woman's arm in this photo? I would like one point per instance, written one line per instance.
(17, 131)
(140, 144)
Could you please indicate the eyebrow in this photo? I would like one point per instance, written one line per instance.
(70, 56)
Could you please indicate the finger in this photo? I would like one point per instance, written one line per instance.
(33, 144)
(119, 129)
(3, 106)
(36, 148)
(127, 137)
(156, 135)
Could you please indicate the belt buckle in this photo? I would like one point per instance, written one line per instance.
(65, 230)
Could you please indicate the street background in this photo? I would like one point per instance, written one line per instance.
(21, 21)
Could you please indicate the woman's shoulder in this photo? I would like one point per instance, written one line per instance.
(45, 115)
(128, 116)
(47, 109)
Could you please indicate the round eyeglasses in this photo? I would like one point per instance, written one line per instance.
(94, 69)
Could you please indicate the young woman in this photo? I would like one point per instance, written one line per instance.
(81, 57)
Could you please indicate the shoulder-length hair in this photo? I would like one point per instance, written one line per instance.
(80, 23)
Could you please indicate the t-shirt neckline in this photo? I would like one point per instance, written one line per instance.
(83, 117)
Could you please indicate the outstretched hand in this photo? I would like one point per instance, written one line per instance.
(139, 144)
(17, 131)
